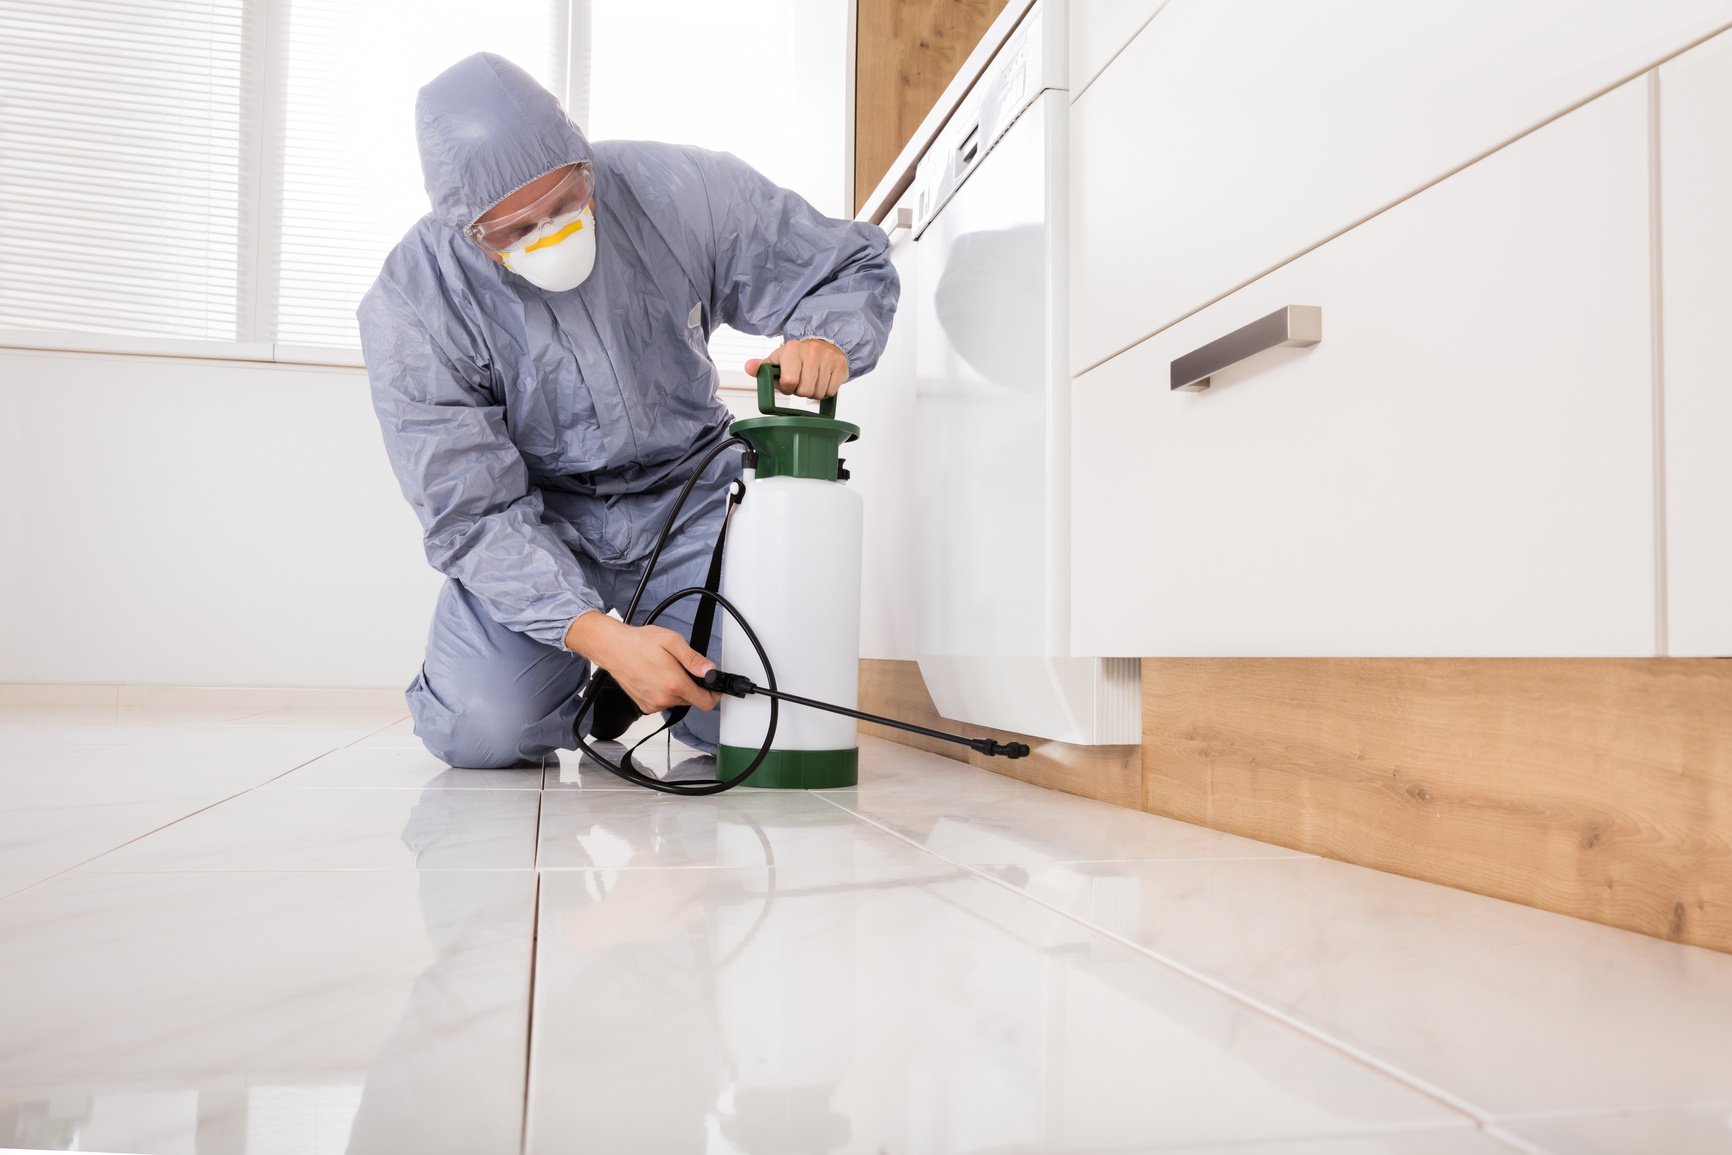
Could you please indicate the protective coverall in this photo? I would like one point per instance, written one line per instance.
(542, 436)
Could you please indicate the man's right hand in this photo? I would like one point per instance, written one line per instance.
(653, 666)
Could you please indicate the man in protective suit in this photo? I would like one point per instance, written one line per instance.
(538, 352)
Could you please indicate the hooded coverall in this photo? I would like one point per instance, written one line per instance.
(541, 437)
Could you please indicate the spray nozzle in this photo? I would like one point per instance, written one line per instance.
(999, 749)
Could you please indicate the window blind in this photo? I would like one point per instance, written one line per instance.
(121, 166)
(351, 177)
(238, 169)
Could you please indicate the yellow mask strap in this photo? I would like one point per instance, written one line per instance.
(554, 239)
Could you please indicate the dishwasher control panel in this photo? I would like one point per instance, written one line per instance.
(1031, 61)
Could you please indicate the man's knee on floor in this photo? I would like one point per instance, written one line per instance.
(486, 734)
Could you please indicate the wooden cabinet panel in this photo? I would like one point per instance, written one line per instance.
(1464, 465)
(1599, 789)
(905, 53)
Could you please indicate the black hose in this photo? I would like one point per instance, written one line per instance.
(624, 768)
(673, 516)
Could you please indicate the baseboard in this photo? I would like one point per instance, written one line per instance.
(228, 697)
(1596, 788)
(1599, 788)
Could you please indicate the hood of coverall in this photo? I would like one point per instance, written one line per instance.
(486, 129)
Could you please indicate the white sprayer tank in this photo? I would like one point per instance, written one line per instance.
(792, 568)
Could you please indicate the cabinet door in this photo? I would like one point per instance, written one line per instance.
(1696, 246)
(1232, 135)
(1098, 30)
(1463, 466)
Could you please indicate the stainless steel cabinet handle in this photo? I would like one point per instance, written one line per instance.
(1295, 325)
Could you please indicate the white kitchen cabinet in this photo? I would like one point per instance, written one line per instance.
(1696, 230)
(882, 463)
(1232, 135)
(1099, 29)
(1464, 464)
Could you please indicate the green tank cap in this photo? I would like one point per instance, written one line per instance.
(794, 442)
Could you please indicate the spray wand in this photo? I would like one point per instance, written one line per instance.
(739, 686)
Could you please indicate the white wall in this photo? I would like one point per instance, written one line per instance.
(12, 499)
(205, 523)
(767, 80)
(187, 522)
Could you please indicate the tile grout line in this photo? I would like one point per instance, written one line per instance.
(193, 814)
(369, 734)
(166, 825)
(534, 961)
(1412, 1082)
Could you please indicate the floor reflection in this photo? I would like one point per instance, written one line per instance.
(420, 1093)
(700, 1008)
(266, 1012)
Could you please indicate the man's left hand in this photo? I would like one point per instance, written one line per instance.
(811, 367)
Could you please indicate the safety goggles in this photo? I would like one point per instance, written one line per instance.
(571, 195)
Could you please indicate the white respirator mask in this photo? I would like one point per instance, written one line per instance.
(557, 256)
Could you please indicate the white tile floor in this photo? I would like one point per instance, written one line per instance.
(274, 931)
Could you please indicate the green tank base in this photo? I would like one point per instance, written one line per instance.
(792, 769)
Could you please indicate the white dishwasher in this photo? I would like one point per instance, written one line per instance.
(993, 452)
